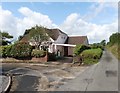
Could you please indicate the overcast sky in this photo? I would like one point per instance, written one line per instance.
(97, 20)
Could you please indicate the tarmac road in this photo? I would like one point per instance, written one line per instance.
(100, 77)
(24, 79)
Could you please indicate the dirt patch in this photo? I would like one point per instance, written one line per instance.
(14, 84)
(60, 73)
(49, 77)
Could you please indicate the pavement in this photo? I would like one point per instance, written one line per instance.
(4, 83)
(99, 77)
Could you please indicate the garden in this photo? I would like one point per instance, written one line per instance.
(89, 54)
(23, 51)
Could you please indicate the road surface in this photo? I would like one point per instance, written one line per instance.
(100, 77)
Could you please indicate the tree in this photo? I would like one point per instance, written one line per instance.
(114, 38)
(38, 35)
(103, 42)
(5, 36)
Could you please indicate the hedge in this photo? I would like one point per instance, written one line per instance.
(80, 48)
(92, 55)
(95, 46)
(21, 50)
(38, 53)
(5, 51)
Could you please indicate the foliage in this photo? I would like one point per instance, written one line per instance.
(38, 53)
(115, 49)
(97, 45)
(2, 51)
(103, 43)
(79, 48)
(38, 35)
(5, 50)
(4, 36)
(91, 55)
(114, 44)
(21, 50)
(114, 39)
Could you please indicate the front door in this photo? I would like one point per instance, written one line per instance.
(65, 50)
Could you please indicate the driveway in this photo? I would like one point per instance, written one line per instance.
(100, 77)
(40, 77)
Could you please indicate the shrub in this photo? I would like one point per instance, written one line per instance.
(92, 55)
(5, 50)
(2, 51)
(21, 50)
(97, 45)
(38, 53)
(114, 39)
(79, 48)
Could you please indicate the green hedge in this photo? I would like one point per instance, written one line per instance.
(92, 55)
(95, 46)
(21, 50)
(80, 48)
(5, 50)
(38, 53)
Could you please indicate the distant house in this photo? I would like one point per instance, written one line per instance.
(74, 40)
(62, 42)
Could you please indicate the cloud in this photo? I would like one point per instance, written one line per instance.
(95, 32)
(98, 7)
(74, 24)
(16, 26)
(95, 9)
(33, 18)
(7, 21)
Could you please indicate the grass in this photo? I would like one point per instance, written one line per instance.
(88, 61)
(91, 56)
(115, 49)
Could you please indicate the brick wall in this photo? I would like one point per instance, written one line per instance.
(41, 59)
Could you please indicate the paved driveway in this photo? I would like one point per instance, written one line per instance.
(100, 77)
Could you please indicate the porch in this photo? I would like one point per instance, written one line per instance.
(62, 49)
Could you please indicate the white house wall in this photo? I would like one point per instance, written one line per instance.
(61, 38)
(86, 42)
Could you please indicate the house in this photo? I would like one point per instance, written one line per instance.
(74, 40)
(61, 42)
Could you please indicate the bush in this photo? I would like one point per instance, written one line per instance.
(5, 50)
(80, 48)
(97, 45)
(92, 55)
(114, 39)
(38, 53)
(21, 50)
(2, 51)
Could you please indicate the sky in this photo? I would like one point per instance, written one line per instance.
(96, 20)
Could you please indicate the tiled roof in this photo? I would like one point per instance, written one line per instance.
(24, 39)
(76, 39)
(54, 33)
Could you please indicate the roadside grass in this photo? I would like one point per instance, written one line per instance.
(115, 50)
(88, 61)
(91, 56)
